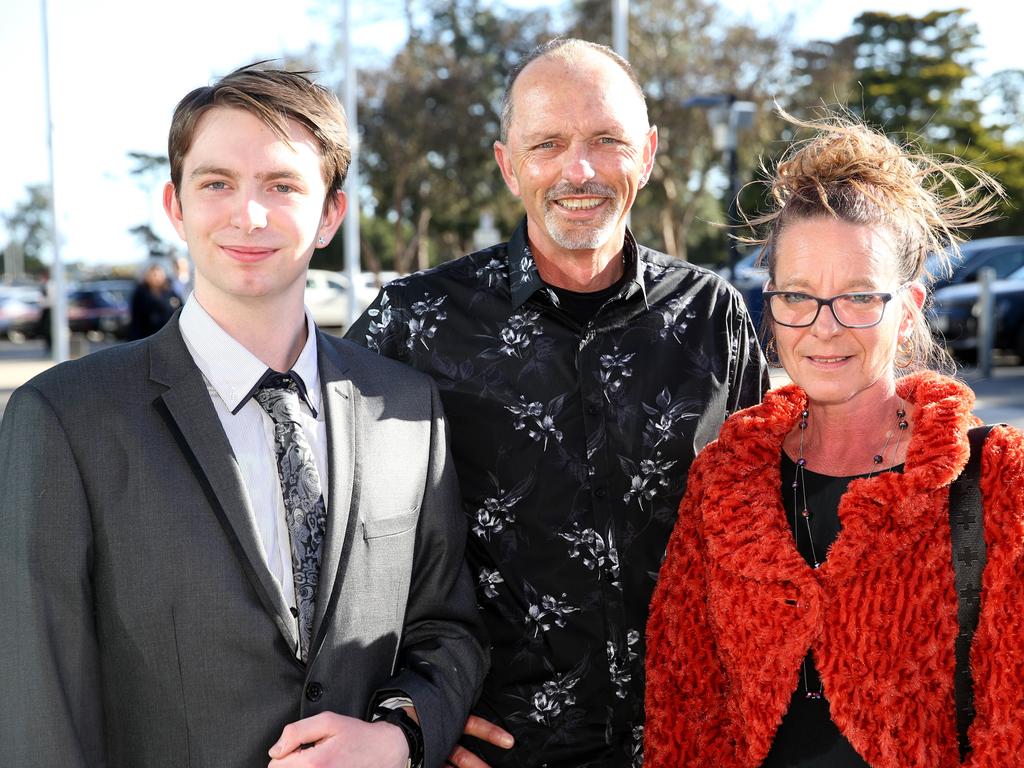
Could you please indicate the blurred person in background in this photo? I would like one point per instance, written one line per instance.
(580, 372)
(181, 279)
(806, 614)
(153, 301)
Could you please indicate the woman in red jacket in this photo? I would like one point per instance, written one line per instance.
(806, 613)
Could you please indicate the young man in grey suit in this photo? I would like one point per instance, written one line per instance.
(240, 535)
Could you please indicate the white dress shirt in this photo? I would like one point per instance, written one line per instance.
(231, 372)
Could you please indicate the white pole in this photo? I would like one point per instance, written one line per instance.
(620, 40)
(986, 321)
(352, 268)
(58, 294)
(620, 27)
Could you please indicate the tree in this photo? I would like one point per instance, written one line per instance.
(919, 81)
(28, 228)
(680, 49)
(912, 70)
(429, 121)
(151, 171)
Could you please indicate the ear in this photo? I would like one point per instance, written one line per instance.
(650, 148)
(916, 294)
(334, 212)
(504, 157)
(172, 206)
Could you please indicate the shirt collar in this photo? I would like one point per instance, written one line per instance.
(232, 370)
(525, 280)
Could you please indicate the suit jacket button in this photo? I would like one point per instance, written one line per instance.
(314, 691)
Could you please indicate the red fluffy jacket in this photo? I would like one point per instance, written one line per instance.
(737, 608)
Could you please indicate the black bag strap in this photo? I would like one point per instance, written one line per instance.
(967, 530)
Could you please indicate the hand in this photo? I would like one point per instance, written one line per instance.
(337, 740)
(486, 731)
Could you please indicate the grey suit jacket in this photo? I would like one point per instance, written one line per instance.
(140, 624)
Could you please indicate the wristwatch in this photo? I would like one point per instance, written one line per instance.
(410, 729)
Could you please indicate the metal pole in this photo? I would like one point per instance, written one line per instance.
(620, 27)
(986, 321)
(620, 42)
(732, 145)
(57, 293)
(352, 268)
(733, 213)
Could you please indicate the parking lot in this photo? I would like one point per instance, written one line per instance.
(1000, 398)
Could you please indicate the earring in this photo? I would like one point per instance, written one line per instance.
(771, 354)
(321, 242)
(904, 353)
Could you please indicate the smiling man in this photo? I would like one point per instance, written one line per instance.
(236, 541)
(580, 372)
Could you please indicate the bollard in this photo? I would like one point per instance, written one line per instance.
(78, 346)
(985, 309)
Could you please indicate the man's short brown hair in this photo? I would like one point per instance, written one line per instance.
(274, 96)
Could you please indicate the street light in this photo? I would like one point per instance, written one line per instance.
(727, 117)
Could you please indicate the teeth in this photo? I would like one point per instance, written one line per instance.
(829, 359)
(577, 204)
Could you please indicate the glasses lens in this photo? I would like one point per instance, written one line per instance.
(793, 308)
(859, 309)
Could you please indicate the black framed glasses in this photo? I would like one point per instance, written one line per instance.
(794, 309)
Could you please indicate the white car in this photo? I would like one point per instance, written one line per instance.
(327, 295)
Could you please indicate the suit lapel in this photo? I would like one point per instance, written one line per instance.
(192, 418)
(339, 409)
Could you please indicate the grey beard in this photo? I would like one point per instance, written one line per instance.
(582, 237)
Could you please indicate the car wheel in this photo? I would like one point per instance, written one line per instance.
(1019, 348)
(16, 337)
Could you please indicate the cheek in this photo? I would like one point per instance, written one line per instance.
(785, 340)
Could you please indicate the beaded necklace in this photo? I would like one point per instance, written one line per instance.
(800, 510)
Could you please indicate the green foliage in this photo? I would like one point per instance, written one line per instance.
(429, 119)
(28, 227)
(680, 49)
(430, 114)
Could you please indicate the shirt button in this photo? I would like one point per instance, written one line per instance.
(593, 410)
(314, 691)
(600, 492)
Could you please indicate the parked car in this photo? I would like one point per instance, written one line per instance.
(327, 296)
(955, 310)
(1003, 254)
(95, 311)
(20, 311)
(749, 280)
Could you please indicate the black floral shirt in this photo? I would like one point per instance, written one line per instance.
(572, 446)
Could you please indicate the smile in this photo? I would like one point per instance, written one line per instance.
(827, 360)
(580, 203)
(248, 253)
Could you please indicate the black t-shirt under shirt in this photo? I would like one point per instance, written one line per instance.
(807, 737)
(582, 307)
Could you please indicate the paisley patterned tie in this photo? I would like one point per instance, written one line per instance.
(304, 509)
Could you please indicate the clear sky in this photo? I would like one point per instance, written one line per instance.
(119, 66)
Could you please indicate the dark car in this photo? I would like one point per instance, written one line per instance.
(94, 310)
(955, 310)
(1003, 254)
(749, 280)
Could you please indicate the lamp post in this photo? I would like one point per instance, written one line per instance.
(351, 224)
(727, 117)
